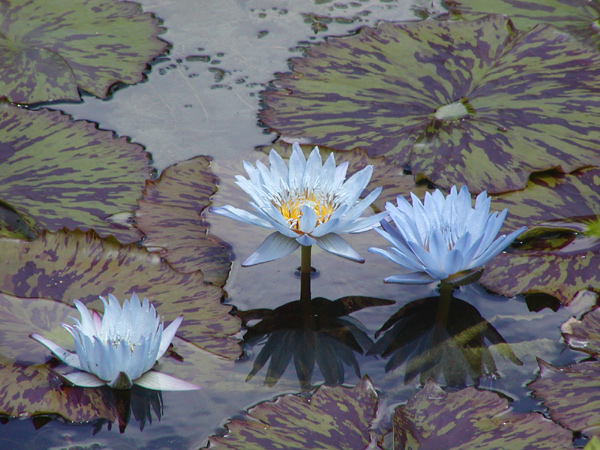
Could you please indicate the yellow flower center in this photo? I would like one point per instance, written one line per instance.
(291, 207)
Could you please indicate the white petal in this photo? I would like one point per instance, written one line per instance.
(81, 379)
(274, 246)
(305, 240)
(240, 215)
(167, 336)
(338, 246)
(410, 278)
(65, 356)
(308, 219)
(159, 381)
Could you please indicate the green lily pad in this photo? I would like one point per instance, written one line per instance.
(169, 216)
(58, 173)
(577, 17)
(571, 395)
(32, 390)
(473, 419)
(560, 254)
(331, 419)
(473, 103)
(50, 50)
(76, 265)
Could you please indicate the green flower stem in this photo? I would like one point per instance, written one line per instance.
(441, 317)
(305, 296)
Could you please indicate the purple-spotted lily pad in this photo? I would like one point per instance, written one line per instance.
(32, 390)
(584, 334)
(169, 216)
(58, 173)
(473, 419)
(580, 18)
(332, 419)
(473, 103)
(50, 50)
(75, 265)
(571, 394)
(560, 254)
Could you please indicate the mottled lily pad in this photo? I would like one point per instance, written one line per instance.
(332, 419)
(577, 17)
(75, 265)
(169, 216)
(58, 173)
(571, 394)
(50, 50)
(560, 254)
(584, 334)
(473, 419)
(27, 391)
(473, 103)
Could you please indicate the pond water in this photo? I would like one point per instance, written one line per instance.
(202, 99)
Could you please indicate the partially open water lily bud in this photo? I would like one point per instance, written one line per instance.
(118, 348)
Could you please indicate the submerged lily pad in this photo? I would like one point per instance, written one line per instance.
(560, 254)
(169, 216)
(331, 419)
(75, 265)
(50, 50)
(58, 173)
(473, 103)
(580, 18)
(474, 419)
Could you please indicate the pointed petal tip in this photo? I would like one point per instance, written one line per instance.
(159, 381)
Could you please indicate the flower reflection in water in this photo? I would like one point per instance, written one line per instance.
(441, 335)
(315, 331)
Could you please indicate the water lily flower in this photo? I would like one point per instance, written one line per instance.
(120, 347)
(307, 203)
(442, 237)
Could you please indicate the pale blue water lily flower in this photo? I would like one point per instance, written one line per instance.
(309, 202)
(442, 237)
(119, 348)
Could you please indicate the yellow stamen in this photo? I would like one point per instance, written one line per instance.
(291, 207)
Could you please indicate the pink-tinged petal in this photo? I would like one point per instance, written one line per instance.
(167, 336)
(274, 246)
(97, 320)
(335, 244)
(65, 356)
(159, 381)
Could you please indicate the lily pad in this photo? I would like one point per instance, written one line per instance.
(32, 390)
(50, 50)
(331, 419)
(58, 173)
(473, 419)
(473, 103)
(571, 394)
(577, 17)
(584, 334)
(76, 265)
(169, 216)
(560, 254)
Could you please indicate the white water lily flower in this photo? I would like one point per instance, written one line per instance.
(120, 347)
(442, 236)
(307, 203)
